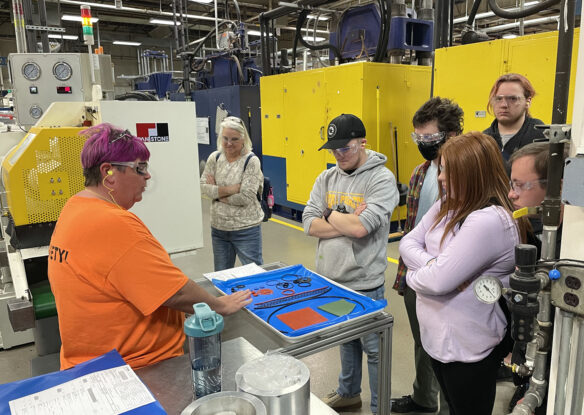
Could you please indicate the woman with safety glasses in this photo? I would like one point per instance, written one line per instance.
(467, 233)
(232, 179)
(115, 286)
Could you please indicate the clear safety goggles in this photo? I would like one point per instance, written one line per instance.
(345, 151)
(520, 187)
(139, 167)
(428, 138)
(509, 99)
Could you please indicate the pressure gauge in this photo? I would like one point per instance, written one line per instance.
(31, 71)
(35, 112)
(62, 71)
(488, 289)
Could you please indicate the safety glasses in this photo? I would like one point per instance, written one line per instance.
(345, 151)
(139, 167)
(520, 187)
(428, 138)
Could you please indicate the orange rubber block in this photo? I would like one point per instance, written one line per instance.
(301, 318)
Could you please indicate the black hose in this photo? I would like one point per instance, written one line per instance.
(519, 14)
(386, 25)
(265, 45)
(473, 12)
(294, 47)
(136, 95)
(299, 24)
(382, 18)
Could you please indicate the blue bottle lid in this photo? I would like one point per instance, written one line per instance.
(204, 323)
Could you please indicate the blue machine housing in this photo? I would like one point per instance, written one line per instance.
(411, 34)
(358, 32)
(359, 28)
(224, 72)
(160, 82)
(240, 101)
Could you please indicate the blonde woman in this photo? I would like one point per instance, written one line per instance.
(232, 179)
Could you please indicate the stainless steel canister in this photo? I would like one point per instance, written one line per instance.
(280, 381)
(231, 402)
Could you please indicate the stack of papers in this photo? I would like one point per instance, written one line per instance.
(237, 272)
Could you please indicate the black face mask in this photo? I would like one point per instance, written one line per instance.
(430, 151)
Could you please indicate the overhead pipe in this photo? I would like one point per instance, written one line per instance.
(485, 15)
(518, 14)
(533, 22)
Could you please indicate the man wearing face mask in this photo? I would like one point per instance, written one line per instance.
(434, 123)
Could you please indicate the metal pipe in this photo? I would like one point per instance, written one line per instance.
(521, 25)
(16, 14)
(485, 15)
(175, 29)
(578, 386)
(531, 22)
(564, 361)
(43, 20)
(216, 27)
(563, 61)
(138, 10)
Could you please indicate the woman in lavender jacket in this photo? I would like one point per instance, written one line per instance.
(469, 232)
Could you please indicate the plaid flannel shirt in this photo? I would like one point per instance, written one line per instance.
(412, 202)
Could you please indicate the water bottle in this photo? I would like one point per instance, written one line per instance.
(203, 330)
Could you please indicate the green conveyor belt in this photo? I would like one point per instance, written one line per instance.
(43, 300)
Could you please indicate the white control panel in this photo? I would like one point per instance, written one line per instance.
(39, 79)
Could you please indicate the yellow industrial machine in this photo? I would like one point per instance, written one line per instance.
(297, 107)
(466, 74)
(41, 173)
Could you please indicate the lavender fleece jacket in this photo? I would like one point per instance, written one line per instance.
(454, 325)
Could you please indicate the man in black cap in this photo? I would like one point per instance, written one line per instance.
(349, 211)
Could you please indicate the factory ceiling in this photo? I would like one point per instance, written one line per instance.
(131, 19)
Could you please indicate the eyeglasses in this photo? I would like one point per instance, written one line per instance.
(509, 99)
(520, 187)
(231, 140)
(139, 167)
(428, 138)
(122, 135)
(345, 151)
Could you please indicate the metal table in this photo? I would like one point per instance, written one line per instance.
(244, 324)
(171, 383)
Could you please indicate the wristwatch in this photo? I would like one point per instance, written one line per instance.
(327, 212)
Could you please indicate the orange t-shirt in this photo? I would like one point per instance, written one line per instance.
(110, 277)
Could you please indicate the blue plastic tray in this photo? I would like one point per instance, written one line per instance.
(294, 288)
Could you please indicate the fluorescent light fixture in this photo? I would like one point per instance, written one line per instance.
(126, 43)
(313, 16)
(73, 18)
(509, 36)
(164, 22)
(255, 33)
(202, 1)
(67, 37)
(312, 39)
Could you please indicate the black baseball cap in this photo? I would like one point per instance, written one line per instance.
(343, 129)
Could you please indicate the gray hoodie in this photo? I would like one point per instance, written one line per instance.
(358, 263)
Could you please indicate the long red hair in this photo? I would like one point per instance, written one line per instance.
(476, 178)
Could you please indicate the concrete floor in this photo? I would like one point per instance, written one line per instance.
(289, 245)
